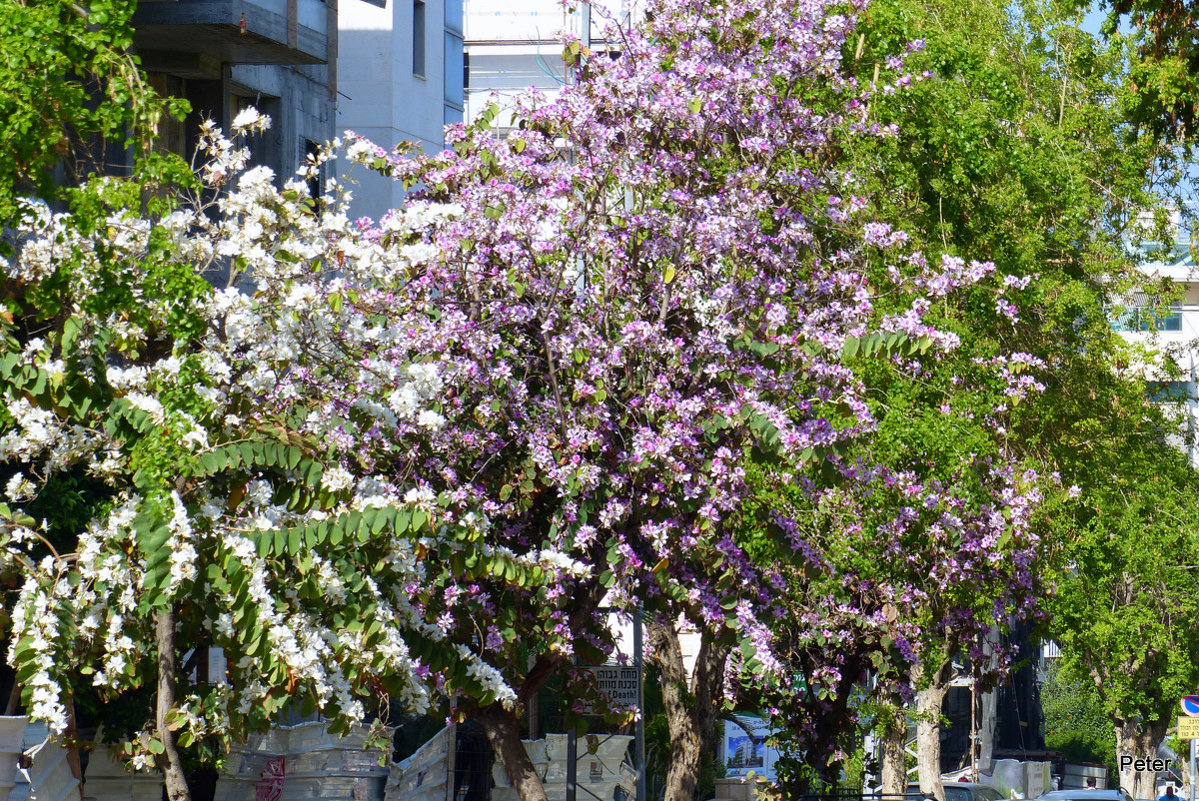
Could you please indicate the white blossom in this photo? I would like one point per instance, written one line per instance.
(19, 488)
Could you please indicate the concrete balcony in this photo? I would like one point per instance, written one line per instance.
(192, 38)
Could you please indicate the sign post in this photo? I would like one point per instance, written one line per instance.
(1188, 729)
(639, 666)
(624, 685)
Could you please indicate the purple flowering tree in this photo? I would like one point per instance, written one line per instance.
(655, 277)
(899, 549)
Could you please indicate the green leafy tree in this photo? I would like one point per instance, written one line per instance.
(1125, 595)
(1076, 722)
(1021, 149)
(1016, 149)
(69, 89)
(1163, 74)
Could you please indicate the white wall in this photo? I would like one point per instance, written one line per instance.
(379, 95)
(1181, 346)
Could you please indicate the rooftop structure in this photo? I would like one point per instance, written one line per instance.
(515, 45)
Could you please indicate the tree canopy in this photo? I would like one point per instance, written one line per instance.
(792, 321)
(71, 93)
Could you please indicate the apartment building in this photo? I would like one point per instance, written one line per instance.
(391, 70)
(515, 45)
(1169, 324)
(1177, 322)
(400, 79)
(279, 56)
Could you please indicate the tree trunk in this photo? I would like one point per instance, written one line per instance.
(893, 759)
(70, 740)
(1139, 741)
(502, 728)
(169, 761)
(691, 706)
(928, 731)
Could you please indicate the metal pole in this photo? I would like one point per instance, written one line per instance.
(639, 662)
(1192, 776)
(974, 728)
(534, 708)
(569, 72)
(451, 760)
(572, 764)
(585, 33)
(572, 756)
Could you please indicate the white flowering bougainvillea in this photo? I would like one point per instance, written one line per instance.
(228, 510)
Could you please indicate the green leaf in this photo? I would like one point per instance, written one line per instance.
(70, 333)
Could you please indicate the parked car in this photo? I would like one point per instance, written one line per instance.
(1084, 795)
(960, 791)
(969, 791)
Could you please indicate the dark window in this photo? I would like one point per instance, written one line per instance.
(316, 182)
(418, 38)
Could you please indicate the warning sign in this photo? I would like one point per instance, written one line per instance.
(619, 682)
(1188, 728)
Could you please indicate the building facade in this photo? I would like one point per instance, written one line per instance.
(1169, 324)
(401, 76)
(279, 56)
(515, 45)
(391, 70)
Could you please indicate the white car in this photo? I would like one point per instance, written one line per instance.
(1084, 795)
(969, 791)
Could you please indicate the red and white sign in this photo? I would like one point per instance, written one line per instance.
(271, 786)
